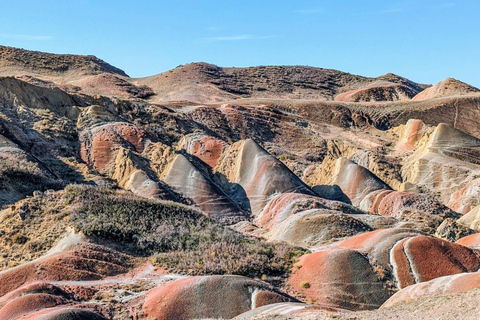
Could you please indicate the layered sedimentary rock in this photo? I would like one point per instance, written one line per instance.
(209, 297)
(357, 287)
(378, 91)
(189, 181)
(252, 176)
(445, 88)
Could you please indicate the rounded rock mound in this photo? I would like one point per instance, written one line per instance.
(211, 297)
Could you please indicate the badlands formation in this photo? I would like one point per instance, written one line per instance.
(271, 192)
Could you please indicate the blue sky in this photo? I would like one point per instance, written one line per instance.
(425, 41)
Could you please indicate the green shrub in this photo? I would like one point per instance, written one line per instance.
(19, 239)
(176, 236)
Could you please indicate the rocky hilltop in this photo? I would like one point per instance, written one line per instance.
(279, 192)
(13, 60)
(202, 82)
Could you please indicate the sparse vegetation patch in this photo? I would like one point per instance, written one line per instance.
(178, 238)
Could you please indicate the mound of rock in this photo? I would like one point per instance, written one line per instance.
(422, 258)
(185, 178)
(445, 88)
(357, 287)
(252, 176)
(206, 148)
(212, 297)
(314, 227)
(356, 181)
(81, 262)
(378, 91)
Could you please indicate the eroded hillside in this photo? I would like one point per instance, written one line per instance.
(247, 193)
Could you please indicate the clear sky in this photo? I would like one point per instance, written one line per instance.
(425, 41)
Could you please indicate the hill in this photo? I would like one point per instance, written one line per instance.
(14, 60)
(202, 82)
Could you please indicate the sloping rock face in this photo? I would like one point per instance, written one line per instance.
(188, 180)
(285, 309)
(211, 297)
(246, 170)
(314, 227)
(396, 203)
(285, 205)
(457, 283)
(206, 148)
(410, 134)
(42, 300)
(421, 258)
(110, 85)
(99, 149)
(65, 314)
(366, 191)
(84, 262)
(356, 181)
(465, 199)
(378, 91)
(444, 162)
(472, 240)
(445, 88)
(388, 259)
(471, 219)
(358, 287)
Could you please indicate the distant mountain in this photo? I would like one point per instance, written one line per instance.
(204, 82)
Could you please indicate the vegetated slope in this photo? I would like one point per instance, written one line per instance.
(20, 60)
(265, 202)
(202, 82)
(378, 91)
(388, 87)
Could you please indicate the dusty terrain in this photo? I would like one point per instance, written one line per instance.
(271, 192)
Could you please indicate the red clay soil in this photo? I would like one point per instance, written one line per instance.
(377, 197)
(392, 204)
(26, 304)
(338, 278)
(105, 139)
(208, 297)
(35, 287)
(209, 150)
(377, 243)
(431, 258)
(82, 262)
(422, 258)
(470, 240)
(64, 313)
(444, 88)
(42, 300)
(413, 134)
